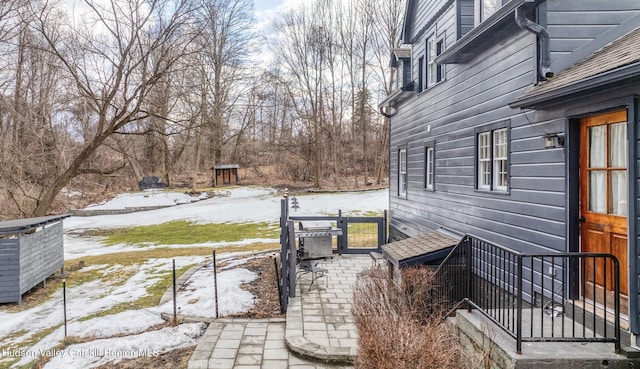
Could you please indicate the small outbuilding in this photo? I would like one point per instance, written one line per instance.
(225, 175)
(31, 250)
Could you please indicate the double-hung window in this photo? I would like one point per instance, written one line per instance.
(471, 13)
(500, 160)
(493, 160)
(402, 172)
(429, 167)
(433, 71)
(484, 161)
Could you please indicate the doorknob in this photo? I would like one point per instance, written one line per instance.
(581, 220)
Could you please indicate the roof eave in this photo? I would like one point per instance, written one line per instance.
(26, 225)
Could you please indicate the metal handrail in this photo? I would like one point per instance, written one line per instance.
(526, 294)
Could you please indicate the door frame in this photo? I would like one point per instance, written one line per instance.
(572, 172)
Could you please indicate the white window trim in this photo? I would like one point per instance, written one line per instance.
(479, 6)
(430, 67)
(492, 159)
(402, 172)
(484, 160)
(498, 184)
(429, 168)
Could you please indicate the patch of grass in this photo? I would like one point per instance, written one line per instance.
(372, 213)
(79, 277)
(188, 233)
(152, 298)
(30, 341)
(137, 257)
(363, 235)
(40, 294)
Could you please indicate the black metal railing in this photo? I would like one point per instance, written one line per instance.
(535, 297)
(354, 235)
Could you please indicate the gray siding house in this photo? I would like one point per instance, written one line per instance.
(519, 123)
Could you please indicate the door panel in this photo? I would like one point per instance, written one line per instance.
(619, 249)
(603, 197)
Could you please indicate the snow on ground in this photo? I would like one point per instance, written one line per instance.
(244, 205)
(99, 352)
(195, 298)
(146, 198)
(122, 284)
(85, 300)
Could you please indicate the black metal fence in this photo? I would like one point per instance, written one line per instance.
(354, 235)
(535, 297)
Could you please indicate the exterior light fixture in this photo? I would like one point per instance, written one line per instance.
(553, 140)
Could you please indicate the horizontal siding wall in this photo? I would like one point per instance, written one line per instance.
(574, 23)
(475, 94)
(9, 270)
(41, 255)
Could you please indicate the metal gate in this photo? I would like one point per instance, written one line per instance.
(353, 235)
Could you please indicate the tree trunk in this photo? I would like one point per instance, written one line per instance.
(49, 194)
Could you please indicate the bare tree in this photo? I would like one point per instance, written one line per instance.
(303, 50)
(226, 41)
(389, 15)
(114, 58)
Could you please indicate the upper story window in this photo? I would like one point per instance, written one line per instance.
(433, 71)
(399, 76)
(470, 13)
(402, 172)
(493, 159)
(486, 8)
(401, 63)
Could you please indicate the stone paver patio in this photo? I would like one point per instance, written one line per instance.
(318, 332)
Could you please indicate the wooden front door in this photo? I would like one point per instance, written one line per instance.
(604, 199)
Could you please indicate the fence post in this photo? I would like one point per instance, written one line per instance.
(386, 226)
(275, 265)
(64, 304)
(291, 258)
(175, 305)
(468, 247)
(343, 241)
(215, 281)
(284, 273)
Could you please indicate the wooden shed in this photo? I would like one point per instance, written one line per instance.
(30, 251)
(225, 174)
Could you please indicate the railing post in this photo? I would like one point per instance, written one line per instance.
(519, 307)
(616, 292)
(469, 269)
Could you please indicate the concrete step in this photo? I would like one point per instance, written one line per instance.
(488, 343)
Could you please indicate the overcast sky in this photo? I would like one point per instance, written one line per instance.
(262, 5)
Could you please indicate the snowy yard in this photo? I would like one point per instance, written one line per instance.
(102, 301)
